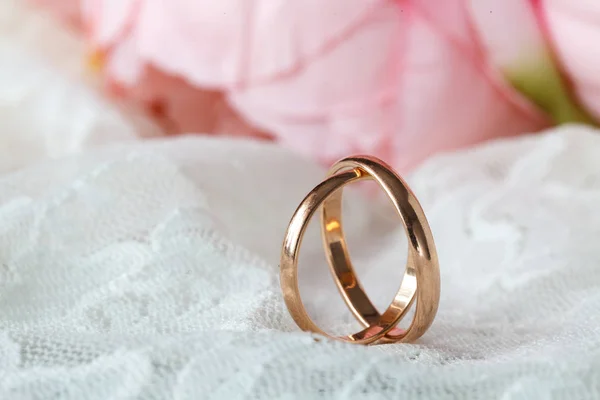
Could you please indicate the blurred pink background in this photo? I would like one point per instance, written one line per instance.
(400, 79)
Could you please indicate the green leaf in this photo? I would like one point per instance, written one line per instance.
(540, 81)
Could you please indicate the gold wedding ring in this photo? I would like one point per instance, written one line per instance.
(421, 281)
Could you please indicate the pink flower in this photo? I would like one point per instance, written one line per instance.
(573, 28)
(68, 11)
(399, 79)
(540, 45)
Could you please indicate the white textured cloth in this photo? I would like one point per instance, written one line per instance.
(148, 269)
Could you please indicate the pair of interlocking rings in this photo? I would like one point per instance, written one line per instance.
(421, 281)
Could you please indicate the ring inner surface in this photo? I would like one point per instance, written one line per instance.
(347, 281)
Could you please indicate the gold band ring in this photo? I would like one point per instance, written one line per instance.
(421, 281)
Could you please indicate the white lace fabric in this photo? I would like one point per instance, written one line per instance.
(147, 269)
